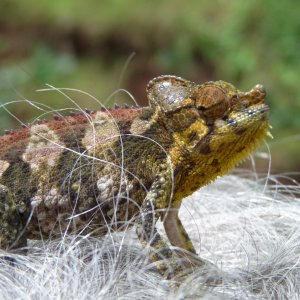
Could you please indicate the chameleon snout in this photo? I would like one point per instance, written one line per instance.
(257, 94)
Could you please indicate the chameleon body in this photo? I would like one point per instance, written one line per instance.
(89, 172)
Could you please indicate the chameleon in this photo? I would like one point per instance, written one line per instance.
(96, 171)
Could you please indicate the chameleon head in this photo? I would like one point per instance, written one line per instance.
(227, 109)
(214, 125)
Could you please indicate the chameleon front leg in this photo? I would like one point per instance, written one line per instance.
(178, 237)
(175, 230)
(168, 262)
(11, 225)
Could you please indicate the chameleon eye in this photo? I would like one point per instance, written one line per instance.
(211, 100)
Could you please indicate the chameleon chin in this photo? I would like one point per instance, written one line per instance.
(89, 172)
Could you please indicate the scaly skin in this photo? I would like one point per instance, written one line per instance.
(89, 172)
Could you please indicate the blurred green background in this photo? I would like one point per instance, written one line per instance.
(89, 45)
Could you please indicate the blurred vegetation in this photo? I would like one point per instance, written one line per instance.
(85, 45)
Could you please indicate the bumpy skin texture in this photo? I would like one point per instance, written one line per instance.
(89, 172)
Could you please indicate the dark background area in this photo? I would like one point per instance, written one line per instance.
(89, 45)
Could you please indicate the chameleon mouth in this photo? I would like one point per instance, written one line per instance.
(263, 110)
(254, 114)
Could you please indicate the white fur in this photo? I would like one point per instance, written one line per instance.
(249, 231)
